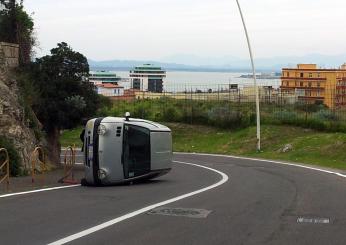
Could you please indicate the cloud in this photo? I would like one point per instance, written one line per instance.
(151, 29)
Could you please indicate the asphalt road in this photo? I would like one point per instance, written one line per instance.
(259, 204)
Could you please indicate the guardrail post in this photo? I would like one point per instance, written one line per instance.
(69, 163)
(5, 164)
(38, 151)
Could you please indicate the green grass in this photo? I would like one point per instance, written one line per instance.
(309, 146)
(71, 137)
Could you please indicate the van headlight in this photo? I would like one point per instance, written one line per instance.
(102, 174)
(101, 130)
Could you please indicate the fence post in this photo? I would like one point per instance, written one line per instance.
(35, 160)
(191, 101)
(69, 163)
(6, 165)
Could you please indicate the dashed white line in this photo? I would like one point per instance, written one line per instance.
(145, 209)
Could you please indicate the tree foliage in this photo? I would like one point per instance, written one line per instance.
(65, 96)
(17, 26)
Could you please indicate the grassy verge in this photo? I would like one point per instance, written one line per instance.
(71, 137)
(309, 146)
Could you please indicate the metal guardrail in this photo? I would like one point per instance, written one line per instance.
(5, 167)
(69, 163)
(38, 163)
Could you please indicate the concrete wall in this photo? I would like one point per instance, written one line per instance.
(9, 54)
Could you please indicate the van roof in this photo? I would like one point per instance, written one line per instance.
(152, 126)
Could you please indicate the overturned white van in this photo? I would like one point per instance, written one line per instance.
(118, 150)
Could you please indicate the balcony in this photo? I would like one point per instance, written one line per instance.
(305, 88)
(305, 78)
(305, 97)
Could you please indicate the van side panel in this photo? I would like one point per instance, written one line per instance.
(161, 150)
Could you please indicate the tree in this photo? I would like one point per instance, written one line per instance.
(65, 95)
(17, 26)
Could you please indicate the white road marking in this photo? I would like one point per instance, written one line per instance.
(264, 160)
(38, 190)
(145, 209)
(313, 220)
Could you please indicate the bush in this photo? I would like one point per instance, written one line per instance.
(224, 114)
(326, 115)
(171, 114)
(13, 155)
(285, 116)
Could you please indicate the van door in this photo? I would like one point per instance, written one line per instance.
(136, 151)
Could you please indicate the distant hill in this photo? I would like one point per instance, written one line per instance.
(225, 63)
(129, 64)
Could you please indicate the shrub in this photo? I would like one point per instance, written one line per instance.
(285, 116)
(171, 114)
(326, 115)
(225, 114)
(13, 155)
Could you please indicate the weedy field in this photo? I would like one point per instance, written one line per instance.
(307, 145)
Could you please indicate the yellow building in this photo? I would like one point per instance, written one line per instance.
(316, 85)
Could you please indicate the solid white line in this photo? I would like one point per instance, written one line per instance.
(38, 190)
(264, 160)
(143, 210)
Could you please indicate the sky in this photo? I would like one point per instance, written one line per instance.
(160, 29)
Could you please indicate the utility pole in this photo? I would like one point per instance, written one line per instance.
(258, 117)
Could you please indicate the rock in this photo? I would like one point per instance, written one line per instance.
(12, 124)
(287, 148)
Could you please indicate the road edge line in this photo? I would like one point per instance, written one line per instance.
(265, 160)
(38, 190)
(104, 225)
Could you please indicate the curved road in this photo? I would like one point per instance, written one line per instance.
(261, 203)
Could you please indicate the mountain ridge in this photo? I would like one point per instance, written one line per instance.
(224, 63)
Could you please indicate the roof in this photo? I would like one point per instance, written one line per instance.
(148, 67)
(108, 85)
(100, 74)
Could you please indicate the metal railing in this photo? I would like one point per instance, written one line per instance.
(5, 167)
(69, 163)
(38, 163)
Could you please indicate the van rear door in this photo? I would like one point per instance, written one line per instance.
(136, 151)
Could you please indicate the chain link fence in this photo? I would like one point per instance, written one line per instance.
(233, 105)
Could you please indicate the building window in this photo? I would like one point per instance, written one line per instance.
(301, 74)
(310, 74)
(318, 84)
(310, 84)
(301, 84)
(318, 74)
(288, 74)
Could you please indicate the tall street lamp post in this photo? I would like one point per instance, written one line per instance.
(258, 117)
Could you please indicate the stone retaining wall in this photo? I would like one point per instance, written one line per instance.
(9, 54)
